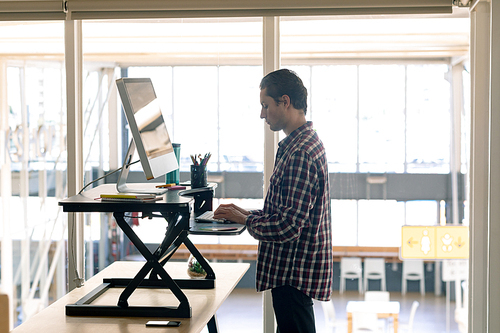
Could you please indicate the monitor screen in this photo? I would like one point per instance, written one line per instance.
(148, 128)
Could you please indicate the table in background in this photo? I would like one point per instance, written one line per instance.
(382, 309)
(204, 302)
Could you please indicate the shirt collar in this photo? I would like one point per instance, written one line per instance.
(295, 134)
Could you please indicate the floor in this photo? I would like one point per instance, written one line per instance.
(242, 312)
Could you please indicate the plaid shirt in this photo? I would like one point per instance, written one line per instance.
(294, 228)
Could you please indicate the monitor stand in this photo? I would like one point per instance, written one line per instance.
(121, 184)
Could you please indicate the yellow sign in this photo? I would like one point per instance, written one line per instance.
(434, 242)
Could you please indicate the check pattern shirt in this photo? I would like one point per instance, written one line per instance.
(294, 227)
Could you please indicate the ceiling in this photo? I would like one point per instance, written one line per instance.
(239, 41)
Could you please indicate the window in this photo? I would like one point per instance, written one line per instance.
(428, 119)
(381, 118)
(34, 157)
(334, 108)
(344, 222)
(241, 131)
(373, 115)
(371, 118)
(380, 222)
(212, 109)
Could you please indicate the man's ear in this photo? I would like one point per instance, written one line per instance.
(286, 100)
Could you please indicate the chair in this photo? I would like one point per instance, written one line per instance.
(462, 305)
(330, 318)
(383, 296)
(364, 322)
(408, 327)
(374, 270)
(413, 270)
(350, 268)
(378, 296)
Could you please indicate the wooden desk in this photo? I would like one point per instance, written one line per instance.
(382, 309)
(204, 303)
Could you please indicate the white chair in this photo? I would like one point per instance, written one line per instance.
(462, 305)
(374, 269)
(364, 322)
(380, 296)
(408, 326)
(350, 268)
(413, 270)
(330, 318)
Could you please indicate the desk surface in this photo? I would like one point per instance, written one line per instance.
(204, 302)
(373, 306)
(89, 201)
(171, 201)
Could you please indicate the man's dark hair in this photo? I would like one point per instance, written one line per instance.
(285, 82)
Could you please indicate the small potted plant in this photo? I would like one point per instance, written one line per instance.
(195, 271)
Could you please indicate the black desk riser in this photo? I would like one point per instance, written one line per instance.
(175, 208)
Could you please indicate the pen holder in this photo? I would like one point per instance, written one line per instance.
(198, 176)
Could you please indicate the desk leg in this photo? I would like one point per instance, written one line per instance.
(395, 321)
(349, 322)
(152, 264)
(212, 325)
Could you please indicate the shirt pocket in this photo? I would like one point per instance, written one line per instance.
(274, 195)
(276, 177)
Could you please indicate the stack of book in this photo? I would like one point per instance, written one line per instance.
(130, 197)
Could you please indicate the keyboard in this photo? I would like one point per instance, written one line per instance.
(208, 217)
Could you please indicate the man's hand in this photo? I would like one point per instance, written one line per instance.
(232, 213)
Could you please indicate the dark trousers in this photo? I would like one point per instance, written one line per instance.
(293, 310)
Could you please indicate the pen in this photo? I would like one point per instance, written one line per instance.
(207, 158)
(165, 185)
(202, 161)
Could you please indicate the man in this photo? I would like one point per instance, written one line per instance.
(294, 228)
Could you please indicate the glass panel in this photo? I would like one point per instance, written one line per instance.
(380, 222)
(196, 111)
(428, 119)
(381, 118)
(344, 222)
(204, 91)
(32, 223)
(334, 113)
(239, 117)
(215, 62)
(422, 212)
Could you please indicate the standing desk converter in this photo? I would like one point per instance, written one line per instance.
(176, 210)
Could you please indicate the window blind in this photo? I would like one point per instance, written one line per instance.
(31, 10)
(130, 9)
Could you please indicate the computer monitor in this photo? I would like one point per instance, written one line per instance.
(149, 133)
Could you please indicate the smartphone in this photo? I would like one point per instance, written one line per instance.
(163, 323)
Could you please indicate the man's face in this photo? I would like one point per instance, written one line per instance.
(273, 113)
